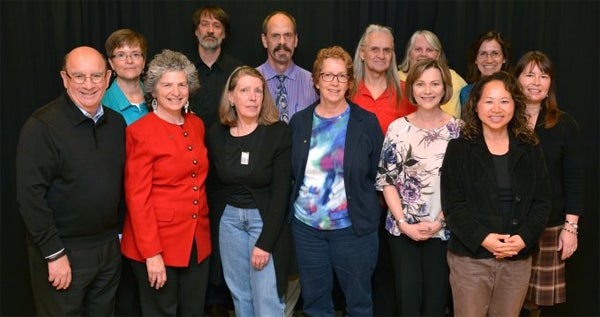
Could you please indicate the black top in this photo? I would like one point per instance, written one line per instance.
(240, 159)
(70, 176)
(205, 102)
(268, 181)
(562, 147)
(469, 193)
(505, 199)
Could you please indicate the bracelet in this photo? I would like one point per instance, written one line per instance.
(56, 256)
(570, 231)
(442, 221)
(572, 224)
(399, 221)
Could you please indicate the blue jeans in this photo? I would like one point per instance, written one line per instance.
(353, 259)
(254, 292)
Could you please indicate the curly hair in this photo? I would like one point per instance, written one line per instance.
(518, 123)
(170, 61)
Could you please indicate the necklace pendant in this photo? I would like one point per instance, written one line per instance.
(245, 158)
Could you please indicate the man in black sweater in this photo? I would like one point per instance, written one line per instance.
(70, 161)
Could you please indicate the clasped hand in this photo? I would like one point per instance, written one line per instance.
(503, 245)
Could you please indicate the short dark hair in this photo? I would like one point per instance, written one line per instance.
(212, 11)
(124, 37)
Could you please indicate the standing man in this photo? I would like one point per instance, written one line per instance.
(292, 89)
(70, 160)
(291, 86)
(214, 66)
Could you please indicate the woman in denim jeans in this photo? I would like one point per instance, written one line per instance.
(248, 190)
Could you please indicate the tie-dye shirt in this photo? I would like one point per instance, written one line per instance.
(321, 202)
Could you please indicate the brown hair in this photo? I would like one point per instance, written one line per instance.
(473, 72)
(122, 37)
(268, 111)
(417, 70)
(212, 11)
(335, 52)
(549, 104)
(517, 125)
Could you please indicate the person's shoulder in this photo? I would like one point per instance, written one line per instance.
(229, 62)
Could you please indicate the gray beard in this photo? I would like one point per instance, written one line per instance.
(211, 45)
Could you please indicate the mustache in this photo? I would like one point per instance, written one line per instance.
(209, 36)
(282, 47)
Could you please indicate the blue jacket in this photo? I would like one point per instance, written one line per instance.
(361, 156)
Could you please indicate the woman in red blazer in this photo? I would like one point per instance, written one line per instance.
(166, 231)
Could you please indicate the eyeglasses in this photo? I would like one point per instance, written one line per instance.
(492, 54)
(342, 78)
(80, 78)
(122, 56)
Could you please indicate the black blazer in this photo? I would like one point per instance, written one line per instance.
(470, 195)
(364, 140)
(269, 184)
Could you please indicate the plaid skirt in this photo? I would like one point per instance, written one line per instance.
(547, 285)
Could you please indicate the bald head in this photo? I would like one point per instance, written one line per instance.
(85, 77)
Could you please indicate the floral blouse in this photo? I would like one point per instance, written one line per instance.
(411, 159)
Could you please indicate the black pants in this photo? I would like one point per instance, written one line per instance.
(95, 278)
(183, 294)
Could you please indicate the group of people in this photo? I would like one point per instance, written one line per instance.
(272, 182)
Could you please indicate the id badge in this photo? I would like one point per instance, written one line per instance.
(245, 158)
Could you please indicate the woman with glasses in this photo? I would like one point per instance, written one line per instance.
(489, 53)
(126, 51)
(166, 232)
(425, 44)
(334, 206)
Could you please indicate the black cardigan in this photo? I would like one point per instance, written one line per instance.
(269, 183)
(470, 195)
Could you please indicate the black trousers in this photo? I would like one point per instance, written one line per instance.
(95, 278)
(183, 294)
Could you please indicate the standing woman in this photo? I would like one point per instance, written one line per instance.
(490, 53)
(249, 188)
(425, 44)
(166, 230)
(409, 177)
(561, 143)
(334, 206)
(126, 50)
(496, 198)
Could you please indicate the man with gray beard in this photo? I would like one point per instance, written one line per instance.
(211, 27)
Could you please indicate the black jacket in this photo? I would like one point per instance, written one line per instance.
(470, 195)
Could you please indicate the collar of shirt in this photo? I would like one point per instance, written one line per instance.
(99, 113)
(270, 73)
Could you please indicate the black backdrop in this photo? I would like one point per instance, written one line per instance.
(35, 35)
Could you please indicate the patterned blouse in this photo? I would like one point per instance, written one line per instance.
(411, 158)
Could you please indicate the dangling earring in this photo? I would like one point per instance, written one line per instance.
(154, 104)
(186, 108)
